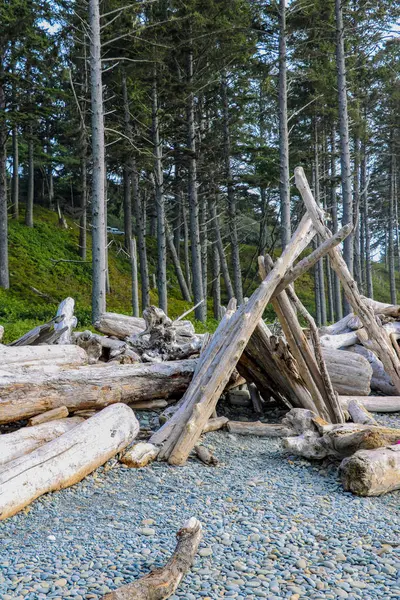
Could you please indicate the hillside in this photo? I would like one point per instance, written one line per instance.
(39, 282)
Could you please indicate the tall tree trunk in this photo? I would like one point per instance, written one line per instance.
(365, 209)
(232, 217)
(204, 242)
(344, 138)
(83, 206)
(216, 276)
(186, 246)
(218, 240)
(160, 201)
(320, 264)
(31, 180)
(178, 211)
(4, 274)
(140, 218)
(127, 167)
(357, 253)
(200, 311)
(99, 240)
(284, 181)
(177, 265)
(334, 210)
(391, 224)
(15, 175)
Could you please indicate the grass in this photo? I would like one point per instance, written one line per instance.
(38, 282)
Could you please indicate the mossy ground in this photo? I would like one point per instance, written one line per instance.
(33, 255)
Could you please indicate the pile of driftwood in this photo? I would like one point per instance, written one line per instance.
(76, 392)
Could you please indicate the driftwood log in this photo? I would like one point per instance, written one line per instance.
(67, 459)
(140, 455)
(41, 356)
(377, 404)
(379, 339)
(259, 429)
(25, 440)
(372, 472)
(124, 326)
(380, 381)
(317, 439)
(67, 321)
(350, 373)
(181, 433)
(215, 424)
(160, 584)
(24, 395)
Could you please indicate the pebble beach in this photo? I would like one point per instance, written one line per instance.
(275, 527)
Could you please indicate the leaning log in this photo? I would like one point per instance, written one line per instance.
(67, 459)
(42, 356)
(160, 584)
(219, 359)
(25, 440)
(372, 472)
(24, 395)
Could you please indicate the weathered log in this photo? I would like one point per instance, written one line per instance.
(317, 440)
(50, 415)
(221, 356)
(258, 428)
(67, 321)
(320, 388)
(27, 439)
(205, 455)
(24, 395)
(67, 459)
(161, 340)
(380, 381)
(124, 326)
(379, 338)
(378, 404)
(140, 455)
(348, 324)
(42, 334)
(104, 348)
(215, 424)
(340, 340)
(372, 472)
(255, 398)
(359, 414)
(381, 308)
(160, 584)
(350, 373)
(40, 356)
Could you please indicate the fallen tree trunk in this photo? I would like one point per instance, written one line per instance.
(341, 340)
(67, 459)
(378, 404)
(124, 326)
(40, 356)
(259, 429)
(24, 395)
(27, 439)
(372, 472)
(350, 373)
(160, 584)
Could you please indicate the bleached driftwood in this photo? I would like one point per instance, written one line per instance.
(348, 324)
(50, 415)
(67, 320)
(160, 584)
(359, 414)
(140, 455)
(1, 332)
(372, 472)
(24, 395)
(379, 338)
(350, 373)
(317, 439)
(341, 340)
(205, 455)
(215, 424)
(181, 433)
(42, 334)
(67, 459)
(149, 405)
(124, 326)
(381, 308)
(378, 404)
(27, 439)
(380, 381)
(101, 347)
(259, 429)
(40, 356)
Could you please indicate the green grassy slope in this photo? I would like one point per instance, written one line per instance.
(33, 256)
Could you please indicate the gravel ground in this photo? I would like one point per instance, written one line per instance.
(275, 527)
